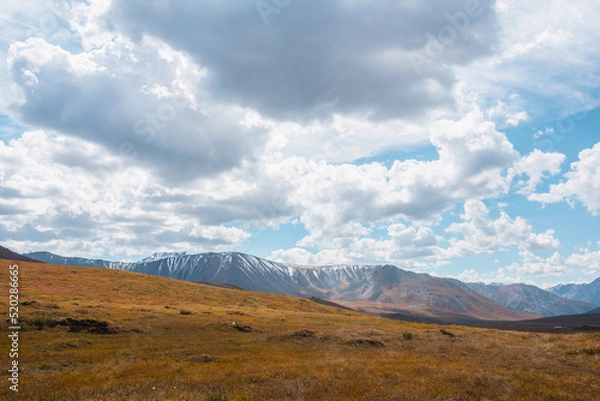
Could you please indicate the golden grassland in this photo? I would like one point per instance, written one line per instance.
(175, 340)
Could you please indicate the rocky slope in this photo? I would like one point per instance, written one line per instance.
(579, 292)
(373, 288)
(528, 298)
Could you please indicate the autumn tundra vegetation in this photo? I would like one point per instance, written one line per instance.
(101, 334)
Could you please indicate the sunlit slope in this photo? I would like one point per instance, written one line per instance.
(391, 290)
(99, 334)
(373, 288)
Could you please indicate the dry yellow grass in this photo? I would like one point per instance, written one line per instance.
(297, 349)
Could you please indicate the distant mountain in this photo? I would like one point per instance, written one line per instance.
(376, 289)
(580, 292)
(593, 312)
(235, 269)
(162, 255)
(528, 298)
(6, 253)
(388, 289)
(48, 257)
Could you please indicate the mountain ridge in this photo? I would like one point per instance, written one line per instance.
(589, 292)
(373, 288)
(529, 298)
(174, 340)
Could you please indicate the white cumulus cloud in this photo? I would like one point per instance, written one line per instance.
(484, 235)
(582, 183)
(537, 166)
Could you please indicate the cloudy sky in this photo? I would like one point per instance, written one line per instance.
(459, 138)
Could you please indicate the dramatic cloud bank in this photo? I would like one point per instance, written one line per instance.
(457, 138)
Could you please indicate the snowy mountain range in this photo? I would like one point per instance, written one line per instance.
(377, 289)
(581, 292)
(232, 268)
(529, 298)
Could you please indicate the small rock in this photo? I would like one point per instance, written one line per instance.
(447, 333)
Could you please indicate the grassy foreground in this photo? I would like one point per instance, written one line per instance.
(97, 334)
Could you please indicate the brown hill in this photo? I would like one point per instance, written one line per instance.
(6, 253)
(421, 297)
(103, 334)
(372, 288)
(587, 322)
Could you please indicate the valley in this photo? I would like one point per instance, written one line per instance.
(104, 334)
(376, 289)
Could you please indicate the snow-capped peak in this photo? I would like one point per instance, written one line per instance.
(162, 255)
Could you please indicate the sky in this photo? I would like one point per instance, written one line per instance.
(457, 138)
